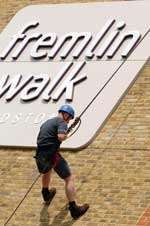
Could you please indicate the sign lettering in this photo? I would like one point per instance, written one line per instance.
(94, 50)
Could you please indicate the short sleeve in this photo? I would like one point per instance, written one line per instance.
(62, 126)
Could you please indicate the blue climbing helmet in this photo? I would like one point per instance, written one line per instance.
(68, 109)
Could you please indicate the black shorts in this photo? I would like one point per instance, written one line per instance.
(48, 158)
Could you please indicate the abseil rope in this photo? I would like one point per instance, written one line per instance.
(78, 120)
(36, 179)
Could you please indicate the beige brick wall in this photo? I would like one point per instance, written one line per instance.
(129, 126)
(112, 174)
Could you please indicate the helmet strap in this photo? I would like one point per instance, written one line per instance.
(65, 119)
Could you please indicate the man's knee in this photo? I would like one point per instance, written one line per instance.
(47, 174)
(69, 179)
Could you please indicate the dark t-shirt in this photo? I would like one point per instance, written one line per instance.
(48, 135)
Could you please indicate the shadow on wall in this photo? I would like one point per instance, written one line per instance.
(58, 219)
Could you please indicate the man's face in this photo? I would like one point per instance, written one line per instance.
(66, 117)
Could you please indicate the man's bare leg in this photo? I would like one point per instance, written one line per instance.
(46, 193)
(70, 188)
(46, 179)
(75, 210)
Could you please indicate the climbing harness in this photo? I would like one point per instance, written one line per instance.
(77, 121)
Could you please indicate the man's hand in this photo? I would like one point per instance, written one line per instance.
(62, 136)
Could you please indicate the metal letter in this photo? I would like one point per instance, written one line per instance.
(67, 84)
(46, 40)
(16, 118)
(32, 91)
(24, 44)
(85, 37)
(134, 35)
(17, 37)
(72, 38)
(107, 43)
(5, 117)
(13, 86)
(46, 95)
(89, 53)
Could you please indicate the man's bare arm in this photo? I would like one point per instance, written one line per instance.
(62, 136)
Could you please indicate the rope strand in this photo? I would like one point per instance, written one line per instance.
(77, 120)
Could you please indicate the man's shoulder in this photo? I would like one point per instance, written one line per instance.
(55, 119)
(50, 120)
(60, 120)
